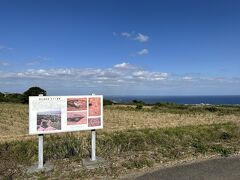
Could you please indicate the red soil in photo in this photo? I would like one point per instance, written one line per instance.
(94, 122)
(95, 106)
(76, 104)
(77, 118)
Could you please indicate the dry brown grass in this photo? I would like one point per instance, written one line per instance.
(118, 119)
(14, 120)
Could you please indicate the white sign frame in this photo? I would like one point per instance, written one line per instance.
(55, 106)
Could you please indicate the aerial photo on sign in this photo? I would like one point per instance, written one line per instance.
(49, 121)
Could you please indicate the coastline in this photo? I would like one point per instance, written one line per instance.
(184, 100)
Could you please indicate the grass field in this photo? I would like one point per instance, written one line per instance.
(132, 139)
(14, 118)
(124, 151)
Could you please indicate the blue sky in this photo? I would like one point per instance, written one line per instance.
(145, 47)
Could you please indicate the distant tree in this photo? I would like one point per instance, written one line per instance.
(33, 91)
(2, 99)
(139, 104)
(14, 98)
(107, 102)
(135, 101)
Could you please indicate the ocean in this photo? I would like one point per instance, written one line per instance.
(216, 100)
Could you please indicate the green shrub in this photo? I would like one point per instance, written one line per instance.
(222, 150)
(139, 106)
(107, 102)
(199, 146)
(60, 147)
(138, 163)
(211, 109)
(225, 135)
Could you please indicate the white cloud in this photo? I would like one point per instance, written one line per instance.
(4, 63)
(133, 36)
(119, 73)
(142, 52)
(187, 78)
(126, 34)
(118, 78)
(150, 76)
(122, 65)
(125, 66)
(141, 37)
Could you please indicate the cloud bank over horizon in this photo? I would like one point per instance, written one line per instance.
(120, 79)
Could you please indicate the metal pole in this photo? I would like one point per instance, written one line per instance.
(40, 148)
(93, 157)
(93, 134)
(40, 151)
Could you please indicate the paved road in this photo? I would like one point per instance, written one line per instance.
(216, 169)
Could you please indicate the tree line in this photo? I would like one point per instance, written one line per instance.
(33, 91)
(21, 98)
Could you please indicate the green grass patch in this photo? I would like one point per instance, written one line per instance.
(182, 109)
(138, 162)
(135, 148)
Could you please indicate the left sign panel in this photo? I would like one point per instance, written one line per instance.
(53, 114)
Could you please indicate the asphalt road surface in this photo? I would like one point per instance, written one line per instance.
(217, 169)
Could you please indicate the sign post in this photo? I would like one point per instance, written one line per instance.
(55, 114)
(40, 148)
(93, 136)
(93, 156)
(40, 151)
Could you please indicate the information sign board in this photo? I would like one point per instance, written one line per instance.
(53, 114)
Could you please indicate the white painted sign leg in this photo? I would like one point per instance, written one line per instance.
(40, 151)
(93, 156)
